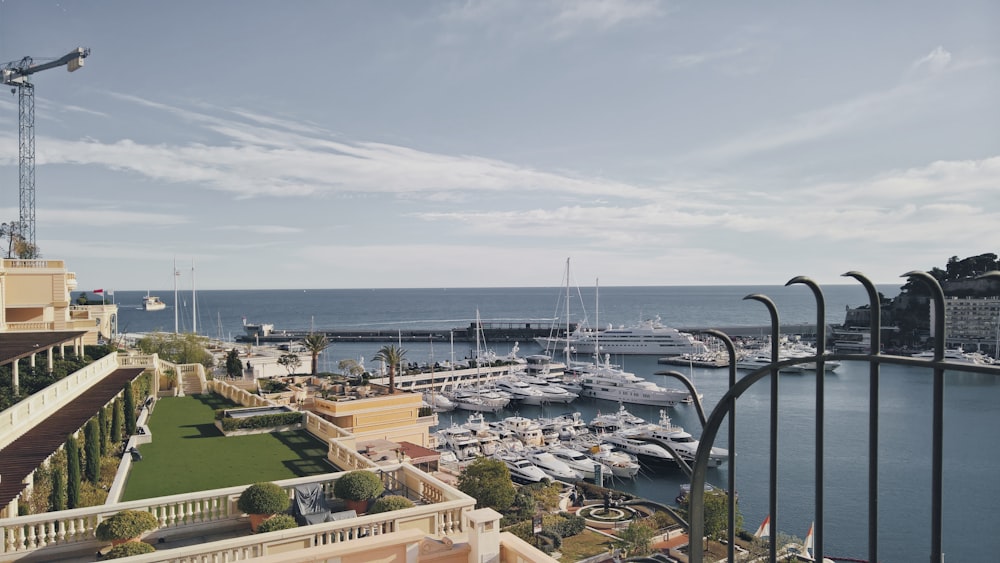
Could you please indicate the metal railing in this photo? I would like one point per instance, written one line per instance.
(726, 408)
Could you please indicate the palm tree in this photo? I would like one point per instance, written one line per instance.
(315, 343)
(392, 356)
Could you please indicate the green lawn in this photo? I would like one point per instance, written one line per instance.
(188, 453)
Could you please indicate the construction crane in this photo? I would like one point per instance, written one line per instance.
(15, 74)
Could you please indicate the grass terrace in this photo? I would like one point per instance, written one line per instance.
(188, 453)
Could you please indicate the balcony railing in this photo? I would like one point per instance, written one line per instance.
(726, 410)
(74, 530)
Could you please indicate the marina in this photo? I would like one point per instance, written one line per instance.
(971, 403)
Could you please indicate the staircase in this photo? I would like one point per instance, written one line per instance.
(191, 382)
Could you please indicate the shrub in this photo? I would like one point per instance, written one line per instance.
(126, 525)
(552, 541)
(261, 421)
(389, 503)
(569, 524)
(275, 523)
(264, 498)
(358, 485)
(128, 549)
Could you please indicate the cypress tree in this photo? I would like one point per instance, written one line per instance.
(129, 410)
(92, 451)
(58, 496)
(104, 426)
(72, 473)
(117, 421)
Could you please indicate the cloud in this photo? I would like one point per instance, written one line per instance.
(262, 229)
(691, 60)
(603, 14)
(270, 157)
(552, 19)
(935, 61)
(108, 217)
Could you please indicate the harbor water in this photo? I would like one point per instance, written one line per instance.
(972, 402)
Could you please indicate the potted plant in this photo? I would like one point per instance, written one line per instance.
(126, 526)
(262, 501)
(389, 503)
(357, 488)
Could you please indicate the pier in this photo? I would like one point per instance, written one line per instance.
(490, 331)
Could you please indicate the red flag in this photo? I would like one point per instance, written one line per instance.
(98, 291)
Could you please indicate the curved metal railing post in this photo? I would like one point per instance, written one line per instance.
(820, 405)
(731, 484)
(772, 501)
(937, 446)
(875, 328)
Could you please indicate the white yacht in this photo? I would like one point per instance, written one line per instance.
(521, 391)
(958, 355)
(481, 401)
(550, 464)
(153, 303)
(460, 441)
(647, 452)
(528, 431)
(438, 402)
(581, 463)
(622, 464)
(567, 426)
(551, 393)
(649, 337)
(683, 443)
(605, 381)
(615, 421)
(521, 469)
(751, 363)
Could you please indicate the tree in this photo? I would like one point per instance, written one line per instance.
(315, 344)
(57, 497)
(72, 473)
(104, 428)
(129, 410)
(117, 420)
(636, 539)
(717, 514)
(92, 451)
(392, 356)
(290, 362)
(234, 365)
(488, 481)
(17, 245)
(350, 367)
(178, 348)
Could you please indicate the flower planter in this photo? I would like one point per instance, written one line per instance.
(257, 519)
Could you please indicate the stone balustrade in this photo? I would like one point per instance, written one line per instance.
(30, 326)
(74, 530)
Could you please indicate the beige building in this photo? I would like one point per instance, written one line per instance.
(35, 296)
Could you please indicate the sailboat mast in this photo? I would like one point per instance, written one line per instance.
(176, 308)
(566, 351)
(194, 303)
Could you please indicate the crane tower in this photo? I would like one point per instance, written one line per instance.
(15, 74)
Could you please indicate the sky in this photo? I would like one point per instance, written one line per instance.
(308, 144)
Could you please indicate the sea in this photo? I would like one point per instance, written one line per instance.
(972, 402)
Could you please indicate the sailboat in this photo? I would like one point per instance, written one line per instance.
(478, 398)
(554, 342)
(764, 530)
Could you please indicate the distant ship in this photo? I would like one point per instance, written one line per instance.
(152, 303)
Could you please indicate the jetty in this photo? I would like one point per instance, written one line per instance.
(490, 331)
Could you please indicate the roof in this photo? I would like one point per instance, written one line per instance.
(25, 454)
(17, 345)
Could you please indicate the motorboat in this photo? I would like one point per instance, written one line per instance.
(482, 401)
(957, 355)
(551, 393)
(552, 465)
(622, 464)
(753, 363)
(521, 391)
(649, 337)
(645, 451)
(579, 462)
(152, 303)
(528, 431)
(460, 441)
(606, 381)
(521, 469)
(438, 402)
(683, 444)
(612, 422)
(566, 426)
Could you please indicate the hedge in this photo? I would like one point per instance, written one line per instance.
(128, 549)
(278, 522)
(261, 421)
